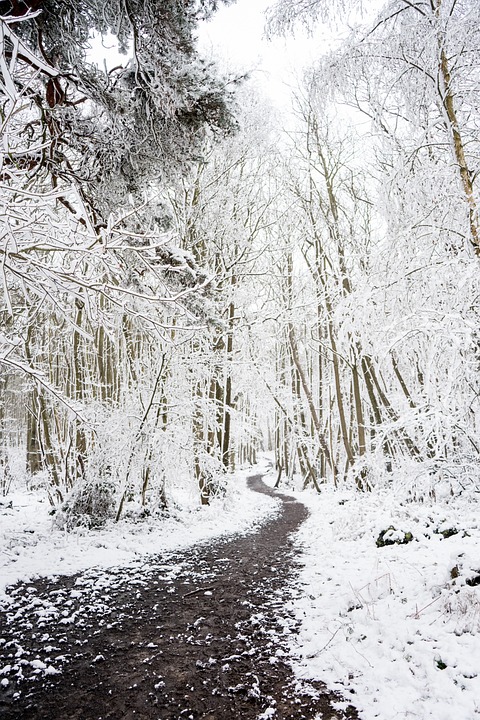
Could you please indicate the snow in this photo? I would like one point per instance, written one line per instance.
(32, 546)
(395, 629)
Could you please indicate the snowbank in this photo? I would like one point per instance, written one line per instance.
(396, 629)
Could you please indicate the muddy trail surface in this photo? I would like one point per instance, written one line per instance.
(196, 634)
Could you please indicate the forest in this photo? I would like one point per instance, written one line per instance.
(200, 289)
(185, 284)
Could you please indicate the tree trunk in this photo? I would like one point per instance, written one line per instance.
(465, 173)
(308, 394)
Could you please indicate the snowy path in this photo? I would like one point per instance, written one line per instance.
(198, 634)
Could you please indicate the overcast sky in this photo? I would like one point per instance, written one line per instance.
(235, 38)
(235, 35)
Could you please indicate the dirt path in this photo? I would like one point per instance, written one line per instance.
(199, 634)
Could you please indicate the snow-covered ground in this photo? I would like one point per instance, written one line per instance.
(396, 629)
(32, 545)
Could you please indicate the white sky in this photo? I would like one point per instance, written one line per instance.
(235, 35)
(235, 38)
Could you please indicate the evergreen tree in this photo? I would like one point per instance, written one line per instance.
(115, 131)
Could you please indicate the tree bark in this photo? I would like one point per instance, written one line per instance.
(308, 394)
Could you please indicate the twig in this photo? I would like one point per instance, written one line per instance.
(195, 592)
(328, 643)
(417, 612)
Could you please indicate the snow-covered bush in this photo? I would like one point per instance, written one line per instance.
(90, 504)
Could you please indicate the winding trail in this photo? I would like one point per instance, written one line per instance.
(197, 634)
